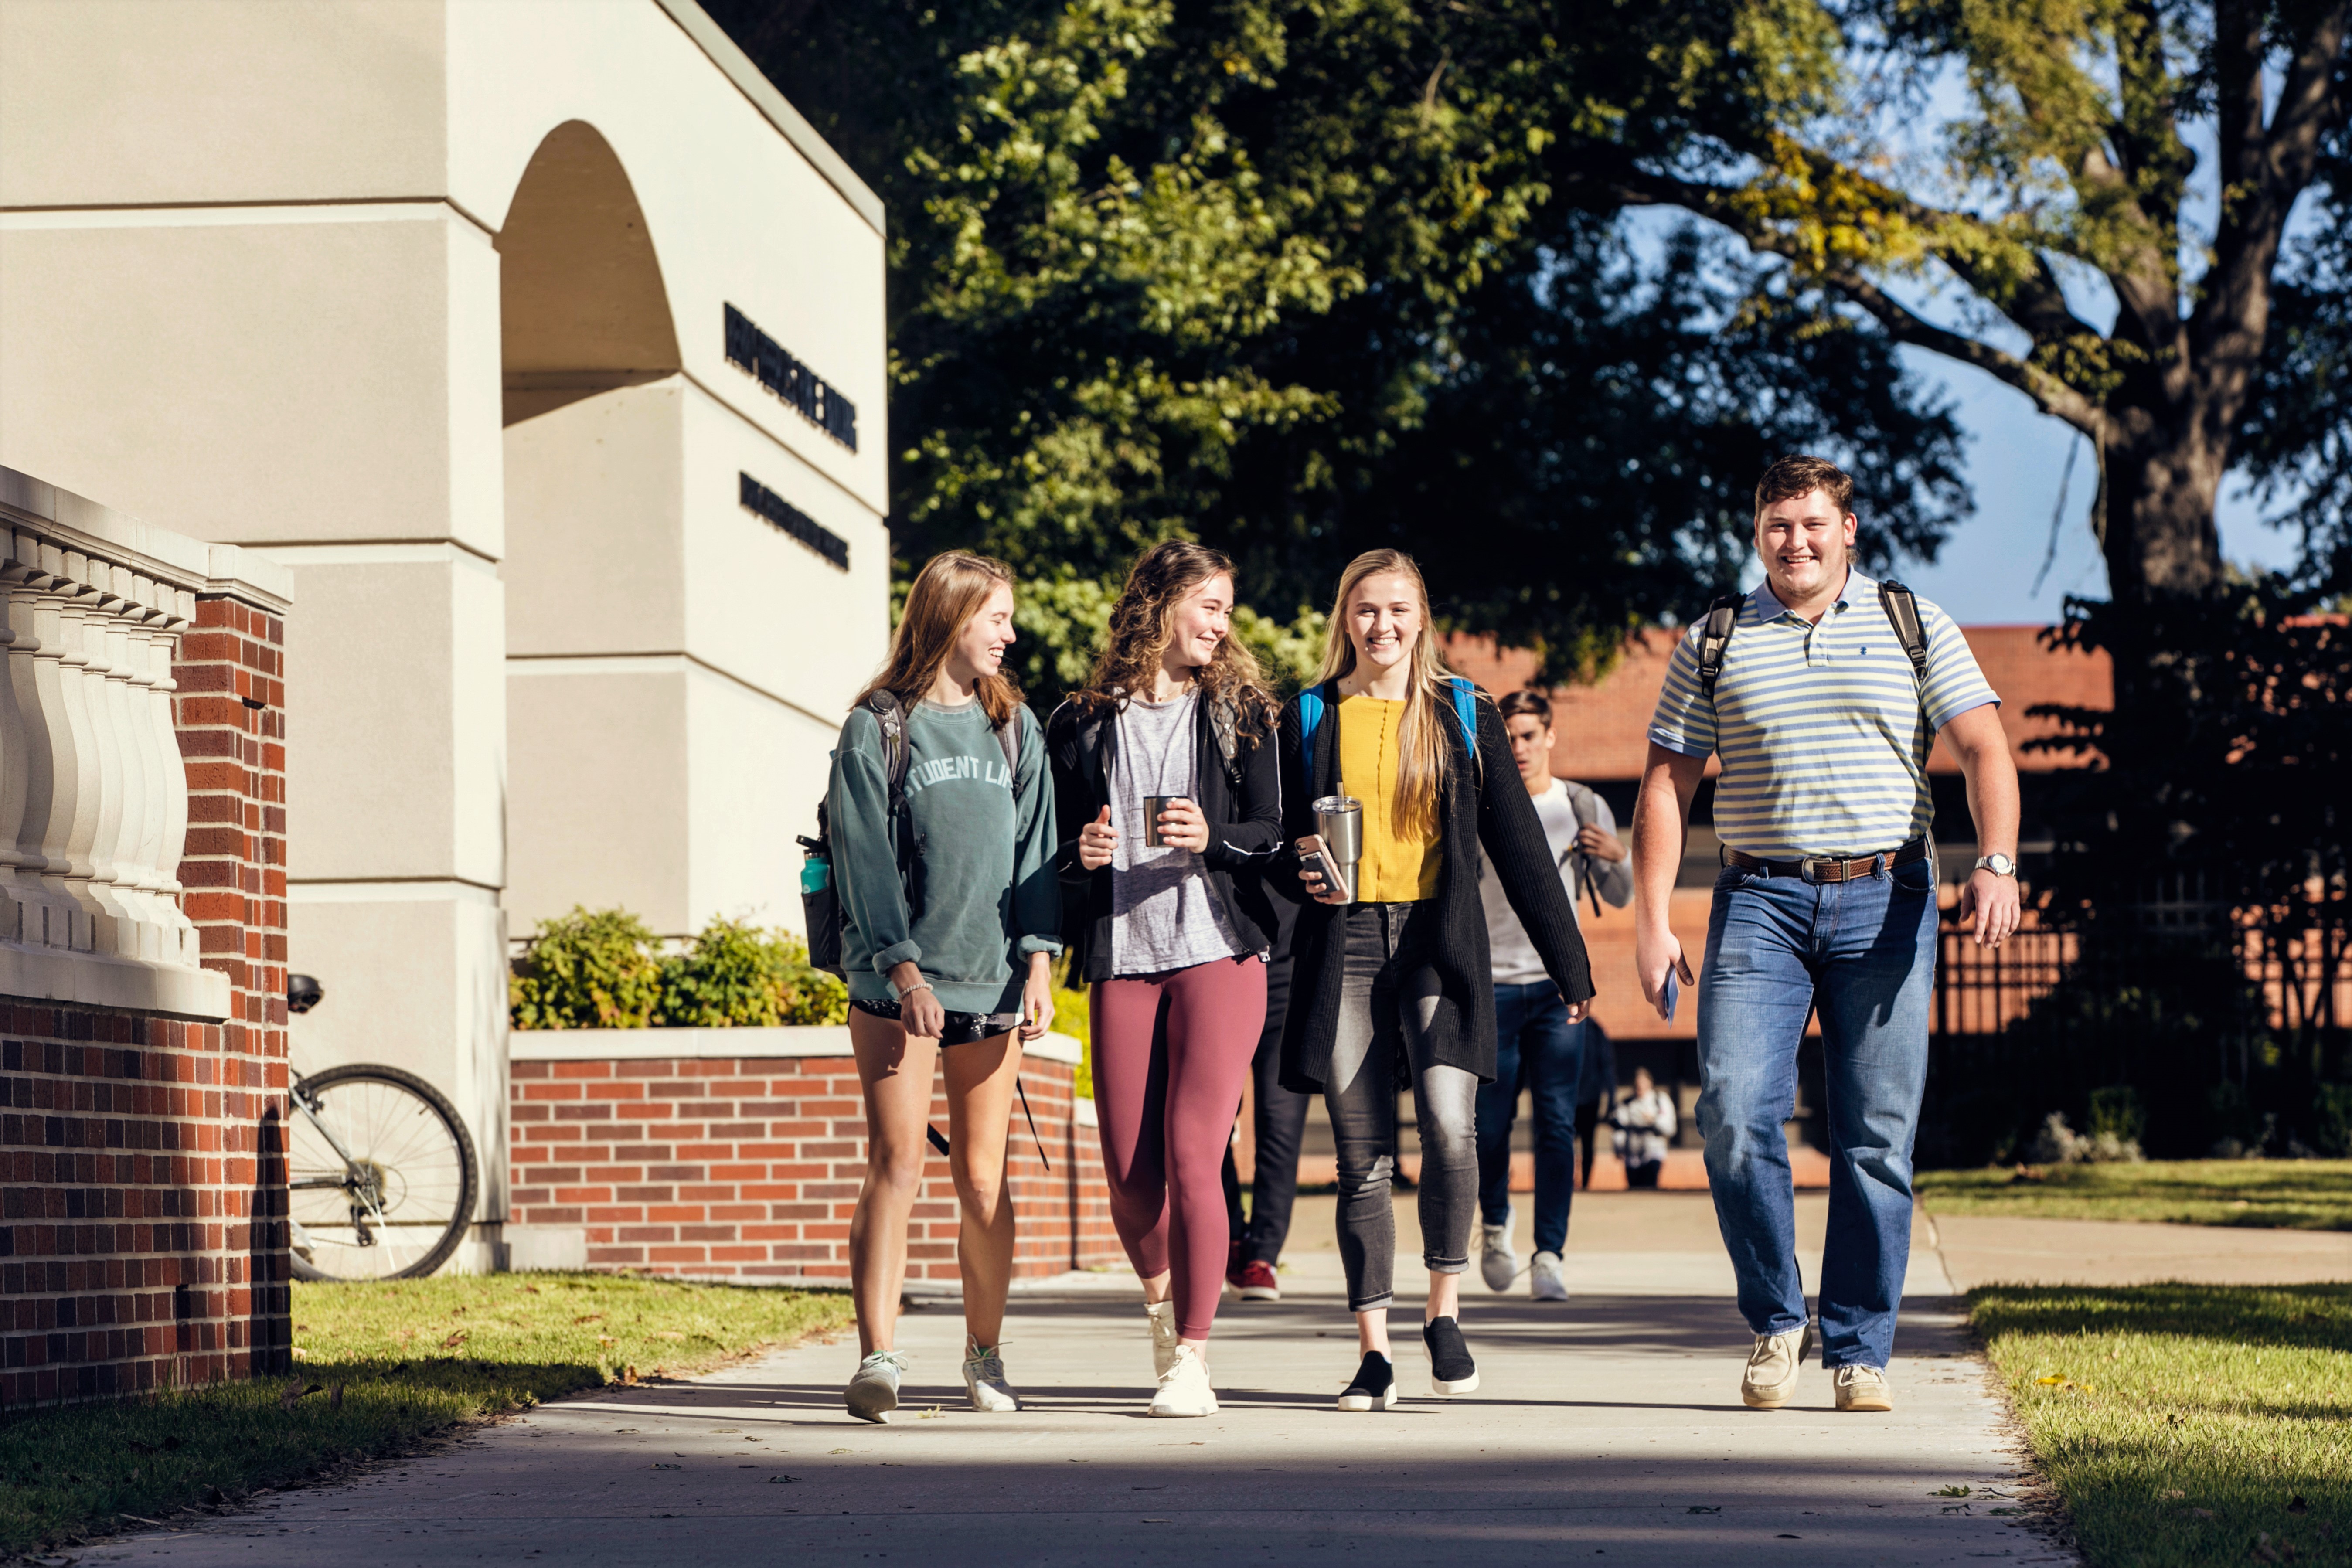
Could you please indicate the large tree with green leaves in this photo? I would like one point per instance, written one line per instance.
(1296, 277)
(2073, 152)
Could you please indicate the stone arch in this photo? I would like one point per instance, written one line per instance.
(583, 309)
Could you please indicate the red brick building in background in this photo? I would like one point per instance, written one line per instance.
(142, 1054)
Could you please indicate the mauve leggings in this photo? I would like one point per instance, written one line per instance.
(1171, 1052)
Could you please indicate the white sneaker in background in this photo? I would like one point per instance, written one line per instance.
(983, 1374)
(873, 1391)
(1545, 1281)
(1498, 1262)
(1163, 1336)
(1184, 1388)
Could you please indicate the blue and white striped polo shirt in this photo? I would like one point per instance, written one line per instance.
(1823, 728)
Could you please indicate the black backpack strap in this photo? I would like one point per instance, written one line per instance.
(1902, 607)
(1224, 723)
(1714, 637)
(891, 715)
(1008, 739)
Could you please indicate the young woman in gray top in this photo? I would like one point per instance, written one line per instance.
(951, 910)
(1169, 798)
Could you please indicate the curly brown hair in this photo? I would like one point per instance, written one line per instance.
(1143, 622)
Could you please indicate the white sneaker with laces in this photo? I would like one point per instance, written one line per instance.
(873, 1391)
(983, 1374)
(1770, 1380)
(1545, 1281)
(1498, 1261)
(1163, 1336)
(1184, 1388)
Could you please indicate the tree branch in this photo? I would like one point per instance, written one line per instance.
(2270, 169)
(2051, 395)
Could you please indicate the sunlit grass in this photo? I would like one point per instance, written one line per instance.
(381, 1366)
(2294, 1194)
(2186, 1423)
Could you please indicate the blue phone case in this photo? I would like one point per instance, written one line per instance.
(1672, 994)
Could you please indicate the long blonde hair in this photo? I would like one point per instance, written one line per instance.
(952, 587)
(1421, 744)
(1143, 622)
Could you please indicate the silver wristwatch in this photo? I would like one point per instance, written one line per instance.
(2000, 865)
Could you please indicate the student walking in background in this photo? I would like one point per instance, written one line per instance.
(1823, 693)
(1535, 1047)
(1646, 1127)
(941, 815)
(1168, 788)
(1395, 985)
(1278, 1121)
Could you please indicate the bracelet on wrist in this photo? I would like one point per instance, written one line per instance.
(899, 995)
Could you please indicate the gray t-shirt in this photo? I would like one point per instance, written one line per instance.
(1165, 913)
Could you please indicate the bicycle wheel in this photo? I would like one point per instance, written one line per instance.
(381, 1175)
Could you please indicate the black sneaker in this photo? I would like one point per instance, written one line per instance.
(1374, 1387)
(1451, 1370)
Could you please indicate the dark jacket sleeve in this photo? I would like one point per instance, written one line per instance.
(1297, 819)
(1521, 855)
(1253, 836)
(1074, 791)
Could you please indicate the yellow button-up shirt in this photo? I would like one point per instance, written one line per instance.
(1395, 869)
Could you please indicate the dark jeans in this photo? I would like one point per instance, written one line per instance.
(1279, 1120)
(1535, 1045)
(1862, 954)
(1388, 994)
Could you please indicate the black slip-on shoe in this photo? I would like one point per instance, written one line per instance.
(1374, 1387)
(1451, 1370)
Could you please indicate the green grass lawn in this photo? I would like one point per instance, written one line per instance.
(381, 1366)
(2186, 1423)
(2294, 1194)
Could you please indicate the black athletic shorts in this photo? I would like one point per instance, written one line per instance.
(961, 1028)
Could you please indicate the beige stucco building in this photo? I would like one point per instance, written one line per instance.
(543, 342)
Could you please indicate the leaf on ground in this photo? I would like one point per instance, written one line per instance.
(1950, 1491)
(453, 1340)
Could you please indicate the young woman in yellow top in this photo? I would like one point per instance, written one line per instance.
(1394, 986)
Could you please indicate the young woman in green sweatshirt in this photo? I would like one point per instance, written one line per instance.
(952, 911)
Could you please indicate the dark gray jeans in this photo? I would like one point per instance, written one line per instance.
(1388, 993)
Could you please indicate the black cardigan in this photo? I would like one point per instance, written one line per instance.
(1244, 825)
(1493, 809)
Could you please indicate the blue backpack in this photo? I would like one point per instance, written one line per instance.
(1313, 701)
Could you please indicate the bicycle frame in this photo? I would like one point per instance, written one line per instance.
(361, 1187)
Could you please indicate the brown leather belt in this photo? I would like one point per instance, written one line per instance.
(1829, 868)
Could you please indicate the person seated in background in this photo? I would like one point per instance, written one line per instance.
(1645, 1124)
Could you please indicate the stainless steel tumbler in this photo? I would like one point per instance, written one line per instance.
(1340, 821)
(1153, 804)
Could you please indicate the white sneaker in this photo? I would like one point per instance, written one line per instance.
(873, 1391)
(1545, 1280)
(1770, 1380)
(983, 1374)
(1184, 1388)
(1498, 1262)
(1163, 1336)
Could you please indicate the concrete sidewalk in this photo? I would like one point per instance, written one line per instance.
(1608, 1428)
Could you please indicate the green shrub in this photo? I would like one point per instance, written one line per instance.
(738, 975)
(2334, 1116)
(2115, 1110)
(587, 970)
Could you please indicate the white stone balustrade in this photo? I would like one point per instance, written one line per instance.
(93, 793)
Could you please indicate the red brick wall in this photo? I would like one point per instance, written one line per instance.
(143, 1242)
(750, 1167)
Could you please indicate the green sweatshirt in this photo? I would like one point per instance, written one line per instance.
(982, 892)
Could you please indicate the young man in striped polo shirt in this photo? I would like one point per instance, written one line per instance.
(1827, 901)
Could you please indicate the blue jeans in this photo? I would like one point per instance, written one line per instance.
(1535, 1045)
(1864, 952)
